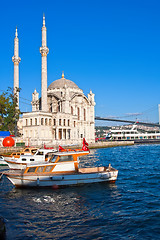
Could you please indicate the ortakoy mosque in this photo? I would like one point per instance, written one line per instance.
(63, 115)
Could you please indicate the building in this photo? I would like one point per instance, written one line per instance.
(63, 115)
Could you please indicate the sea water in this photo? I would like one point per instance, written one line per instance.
(128, 209)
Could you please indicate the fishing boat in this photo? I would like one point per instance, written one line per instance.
(41, 155)
(62, 170)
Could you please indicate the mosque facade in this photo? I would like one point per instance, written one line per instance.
(63, 115)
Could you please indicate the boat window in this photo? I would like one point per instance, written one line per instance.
(53, 158)
(26, 150)
(40, 153)
(33, 151)
(31, 169)
(49, 157)
(23, 159)
(48, 168)
(32, 159)
(66, 158)
(40, 169)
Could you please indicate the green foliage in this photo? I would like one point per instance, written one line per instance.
(9, 112)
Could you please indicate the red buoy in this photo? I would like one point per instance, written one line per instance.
(8, 142)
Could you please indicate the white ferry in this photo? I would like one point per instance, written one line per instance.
(133, 134)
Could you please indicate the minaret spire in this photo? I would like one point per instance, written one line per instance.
(44, 22)
(16, 33)
(16, 60)
(44, 51)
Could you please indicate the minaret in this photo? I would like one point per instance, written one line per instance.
(44, 51)
(16, 59)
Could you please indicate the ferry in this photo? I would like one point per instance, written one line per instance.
(134, 135)
(62, 170)
(41, 155)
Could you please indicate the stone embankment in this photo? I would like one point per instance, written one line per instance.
(7, 151)
(111, 144)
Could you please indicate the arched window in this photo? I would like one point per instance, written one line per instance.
(31, 121)
(36, 121)
(41, 121)
(84, 114)
(50, 107)
(46, 121)
(59, 106)
(78, 113)
(71, 110)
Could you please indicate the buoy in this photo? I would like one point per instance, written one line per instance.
(8, 142)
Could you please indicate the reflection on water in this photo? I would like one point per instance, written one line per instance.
(128, 209)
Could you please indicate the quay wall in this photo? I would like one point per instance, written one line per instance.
(4, 150)
(111, 144)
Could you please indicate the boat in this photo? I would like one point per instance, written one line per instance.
(62, 170)
(26, 151)
(1, 174)
(41, 155)
(133, 134)
(2, 161)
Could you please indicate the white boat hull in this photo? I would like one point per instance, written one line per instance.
(16, 165)
(62, 179)
(2, 161)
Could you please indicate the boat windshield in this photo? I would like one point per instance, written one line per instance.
(53, 158)
(40, 153)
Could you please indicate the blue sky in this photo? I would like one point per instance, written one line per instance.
(110, 47)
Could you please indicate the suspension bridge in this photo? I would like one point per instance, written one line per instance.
(127, 121)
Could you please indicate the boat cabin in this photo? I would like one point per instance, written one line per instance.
(60, 162)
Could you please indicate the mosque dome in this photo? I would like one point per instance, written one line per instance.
(62, 82)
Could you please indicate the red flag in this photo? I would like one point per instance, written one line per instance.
(85, 144)
(85, 148)
(61, 149)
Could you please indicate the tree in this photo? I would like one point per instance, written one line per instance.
(9, 111)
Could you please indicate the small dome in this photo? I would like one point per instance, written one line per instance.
(61, 83)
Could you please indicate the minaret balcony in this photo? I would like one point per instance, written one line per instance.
(44, 51)
(16, 59)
